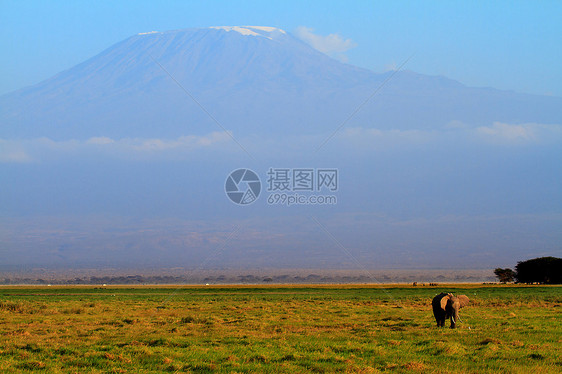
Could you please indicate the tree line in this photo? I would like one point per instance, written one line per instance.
(544, 270)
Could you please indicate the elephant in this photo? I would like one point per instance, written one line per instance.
(446, 305)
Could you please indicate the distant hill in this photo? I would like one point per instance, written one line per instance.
(226, 276)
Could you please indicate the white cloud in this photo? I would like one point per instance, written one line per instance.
(455, 132)
(356, 138)
(100, 140)
(33, 150)
(391, 67)
(518, 134)
(12, 152)
(183, 142)
(333, 44)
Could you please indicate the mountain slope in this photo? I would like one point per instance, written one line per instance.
(253, 80)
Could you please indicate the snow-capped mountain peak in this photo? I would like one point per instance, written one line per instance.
(251, 30)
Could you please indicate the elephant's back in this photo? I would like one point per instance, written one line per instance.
(436, 302)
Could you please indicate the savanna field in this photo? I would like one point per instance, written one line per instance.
(277, 329)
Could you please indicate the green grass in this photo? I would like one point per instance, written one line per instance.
(277, 329)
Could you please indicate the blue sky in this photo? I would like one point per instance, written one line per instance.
(511, 45)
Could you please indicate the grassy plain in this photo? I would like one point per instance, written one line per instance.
(277, 329)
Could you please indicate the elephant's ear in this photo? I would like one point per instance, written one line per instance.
(463, 300)
(444, 300)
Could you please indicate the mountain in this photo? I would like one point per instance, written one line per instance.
(253, 80)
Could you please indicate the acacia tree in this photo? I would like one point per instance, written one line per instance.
(546, 270)
(504, 275)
